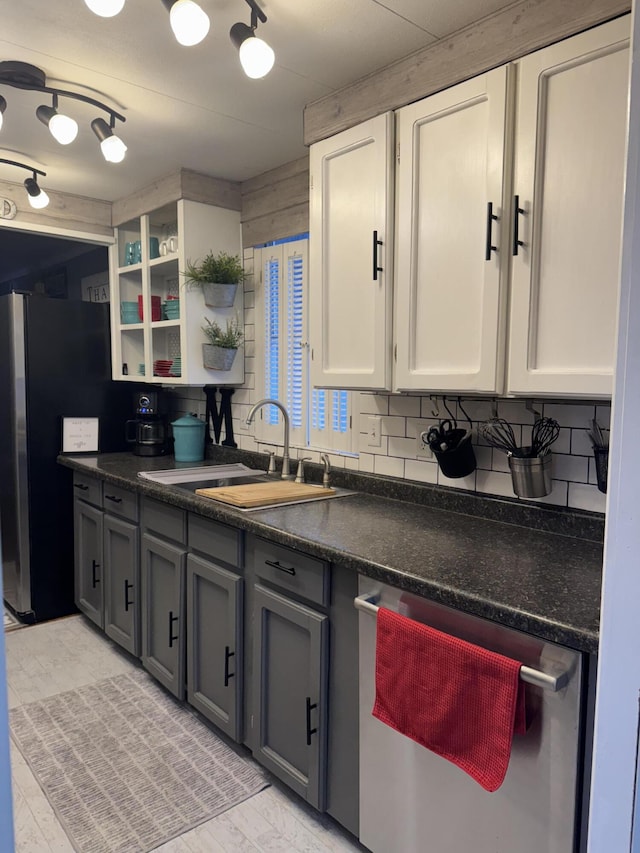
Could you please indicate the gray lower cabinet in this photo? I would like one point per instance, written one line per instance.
(163, 611)
(215, 643)
(290, 713)
(122, 582)
(88, 576)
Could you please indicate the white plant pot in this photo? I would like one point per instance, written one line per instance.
(217, 358)
(217, 295)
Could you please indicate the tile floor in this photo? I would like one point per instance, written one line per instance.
(56, 656)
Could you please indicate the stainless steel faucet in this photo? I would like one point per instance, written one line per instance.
(285, 417)
(326, 478)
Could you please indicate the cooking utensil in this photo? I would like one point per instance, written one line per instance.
(545, 431)
(499, 433)
(439, 438)
(595, 434)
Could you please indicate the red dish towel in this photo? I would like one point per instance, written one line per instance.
(456, 699)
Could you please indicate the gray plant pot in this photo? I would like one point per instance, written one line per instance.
(217, 295)
(217, 358)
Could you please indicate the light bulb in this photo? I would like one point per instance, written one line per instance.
(256, 57)
(105, 8)
(37, 197)
(113, 149)
(1, 120)
(188, 22)
(63, 128)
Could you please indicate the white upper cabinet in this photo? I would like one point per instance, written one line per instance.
(351, 257)
(569, 178)
(451, 239)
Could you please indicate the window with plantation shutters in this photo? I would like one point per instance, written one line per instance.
(319, 418)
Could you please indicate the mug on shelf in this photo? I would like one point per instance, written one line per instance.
(130, 253)
(154, 247)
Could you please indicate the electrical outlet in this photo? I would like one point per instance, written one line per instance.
(374, 429)
(423, 451)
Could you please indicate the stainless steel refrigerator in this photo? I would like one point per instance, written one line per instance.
(54, 362)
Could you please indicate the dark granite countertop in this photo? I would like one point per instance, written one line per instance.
(542, 582)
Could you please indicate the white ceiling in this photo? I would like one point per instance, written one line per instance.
(194, 107)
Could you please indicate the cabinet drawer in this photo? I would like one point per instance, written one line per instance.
(87, 488)
(306, 576)
(218, 541)
(165, 521)
(120, 501)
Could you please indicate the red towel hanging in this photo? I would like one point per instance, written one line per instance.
(459, 700)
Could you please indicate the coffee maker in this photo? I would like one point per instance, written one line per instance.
(148, 431)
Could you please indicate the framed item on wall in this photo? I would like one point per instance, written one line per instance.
(80, 435)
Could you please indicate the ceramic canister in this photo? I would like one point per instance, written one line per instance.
(188, 436)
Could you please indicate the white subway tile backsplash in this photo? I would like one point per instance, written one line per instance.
(483, 457)
(570, 416)
(603, 416)
(574, 468)
(582, 496)
(407, 407)
(394, 426)
(580, 443)
(388, 466)
(374, 404)
(468, 483)
(500, 461)
(404, 447)
(422, 471)
(366, 461)
(494, 483)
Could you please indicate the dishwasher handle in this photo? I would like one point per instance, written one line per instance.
(553, 683)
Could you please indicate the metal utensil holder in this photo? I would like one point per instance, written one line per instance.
(601, 455)
(531, 476)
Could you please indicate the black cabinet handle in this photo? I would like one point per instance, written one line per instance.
(276, 565)
(81, 486)
(94, 580)
(172, 619)
(310, 731)
(113, 498)
(376, 268)
(517, 211)
(227, 656)
(491, 218)
(127, 587)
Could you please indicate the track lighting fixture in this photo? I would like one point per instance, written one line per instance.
(105, 8)
(188, 22)
(63, 128)
(256, 57)
(37, 196)
(113, 148)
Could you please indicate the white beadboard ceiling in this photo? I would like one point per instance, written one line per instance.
(194, 107)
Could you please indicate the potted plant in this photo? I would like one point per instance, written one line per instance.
(218, 276)
(221, 350)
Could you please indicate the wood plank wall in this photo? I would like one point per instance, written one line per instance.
(72, 212)
(276, 203)
(502, 37)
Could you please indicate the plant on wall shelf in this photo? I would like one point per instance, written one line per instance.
(221, 350)
(218, 276)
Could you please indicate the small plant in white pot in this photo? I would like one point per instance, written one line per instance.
(218, 276)
(221, 350)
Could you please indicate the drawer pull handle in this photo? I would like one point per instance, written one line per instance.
(276, 565)
(310, 731)
(227, 675)
(94, 579)
(517, 211)
(127, 587)
(491, 218)
(81, 486)
(376, 267)
(172, 619)
(114, 499)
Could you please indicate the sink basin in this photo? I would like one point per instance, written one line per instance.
(201, 474)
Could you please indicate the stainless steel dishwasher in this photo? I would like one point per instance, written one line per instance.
(414, 801)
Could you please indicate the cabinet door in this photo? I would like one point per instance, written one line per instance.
(451, 270)
(569, 178)
(290, 693)
(89, 576)
(163, 630)
(214, 648)
(122, 583)
(350, 271)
